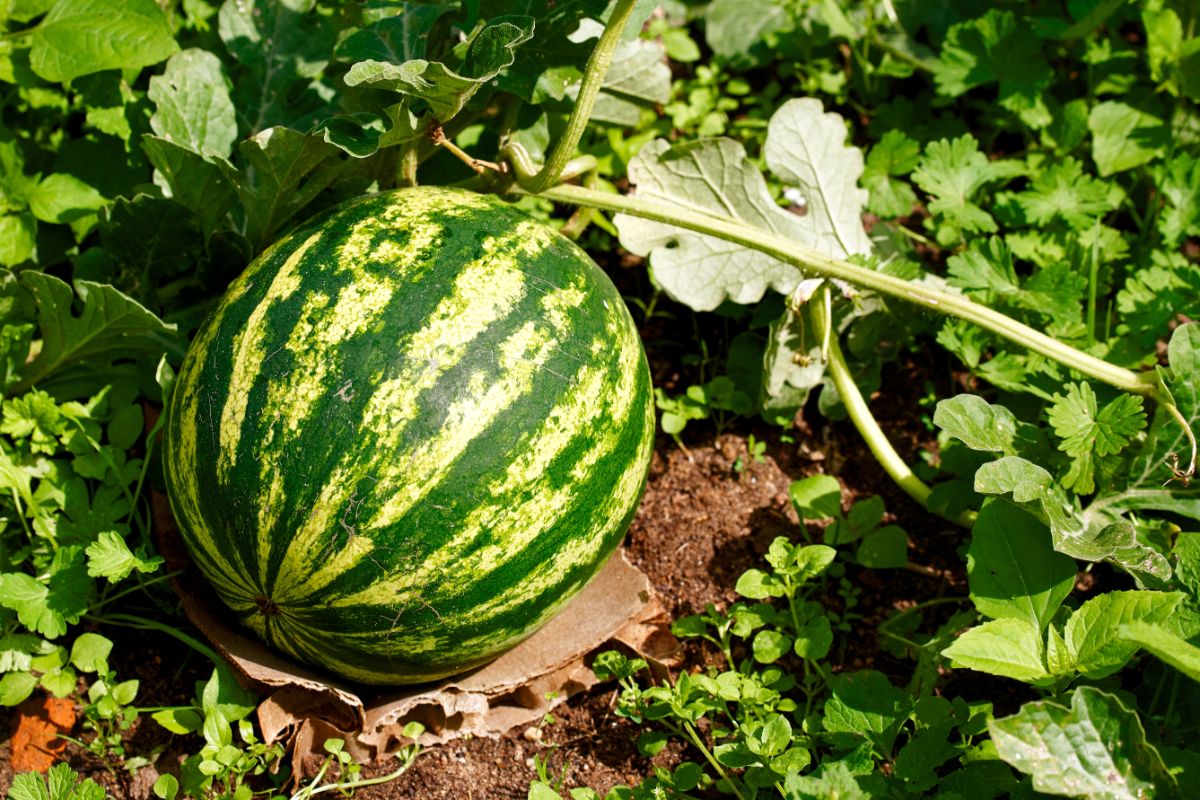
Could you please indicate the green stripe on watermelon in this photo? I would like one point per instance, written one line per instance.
(412, 430)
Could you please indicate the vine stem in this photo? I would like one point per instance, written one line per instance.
(1185, 474)
(816, 263)
(589, 88)
(868, 426)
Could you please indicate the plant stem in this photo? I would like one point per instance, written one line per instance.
(15, 35)
(1093, 284)
(694, 736)
(140, 586)
(816, 263)
(868, 427)
(408, 165)
(593, 79)
(133, 621)
(1185, 474)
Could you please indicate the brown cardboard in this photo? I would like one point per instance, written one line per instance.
(617, 609)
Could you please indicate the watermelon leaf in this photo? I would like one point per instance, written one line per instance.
(111, 326)
(281, 48)
(281, 172)
(194, 107)
(442, 89)
(805, 148)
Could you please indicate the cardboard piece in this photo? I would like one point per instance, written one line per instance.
(304, 707)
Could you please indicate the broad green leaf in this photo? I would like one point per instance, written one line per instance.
(18, 239)
(146, 235)
(542, 791)
(1179, 653)
(546, 66)
(983, 426)
(996, 48)
(1125, 136)
(27, 596)
(1012, 568)
(1060, 661)
(770, 645)
(125, 426)
(806, 148)
(166, 787)
(90, 652)
(711, 176)
(1096, 749)
(113, 106)
(29, 786)
(14, 688)
(892, 156)
(1033, 488)
(1187, 561)
(26, 10)
(196, 182)
(224, 696)
(1010, 648)
(637, 79)
(79, 37)
(125, 692)
(447, 90)
(1084, 427)
(62, 198)
(816, 497)
(111, 325)
(179, 720)
(281, 172)
(1173, 57)
(814, 638)
(17, 650)
(193, 105)
(918, 761)
(49, 608)
(744, 31)
(395, 40)
(281, 47)
(757, 585)
(1092, 632)
(978, 780)
(811, 561)
(865, 703)
(59, 683)
(886, 548)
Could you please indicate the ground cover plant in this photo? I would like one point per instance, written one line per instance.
(986, 214)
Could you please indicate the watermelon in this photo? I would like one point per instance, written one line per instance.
(408, 434)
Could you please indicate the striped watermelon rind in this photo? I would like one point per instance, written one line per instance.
(408, 434)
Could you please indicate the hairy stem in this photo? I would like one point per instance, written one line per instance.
(593, 79)
(868, 427)
(813, 262)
